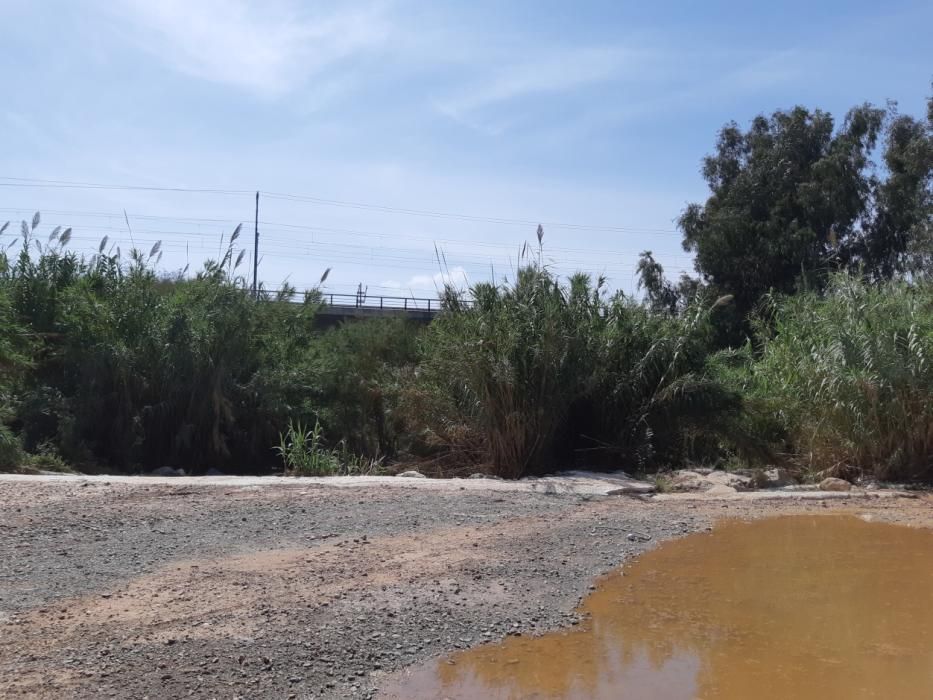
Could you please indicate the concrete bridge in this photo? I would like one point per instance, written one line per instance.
(341, 307)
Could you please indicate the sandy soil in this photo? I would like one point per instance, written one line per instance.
(133, 589)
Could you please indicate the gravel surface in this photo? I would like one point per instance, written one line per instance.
(133, 590)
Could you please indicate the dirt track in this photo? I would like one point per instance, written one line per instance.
(135, 590)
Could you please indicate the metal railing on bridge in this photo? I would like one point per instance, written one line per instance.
(365, 301)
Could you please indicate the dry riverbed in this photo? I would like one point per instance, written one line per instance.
(295, 589)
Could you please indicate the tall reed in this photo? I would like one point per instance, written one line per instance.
(850, 378)
(548, 374)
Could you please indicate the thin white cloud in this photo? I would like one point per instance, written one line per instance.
(265, 47)
(455, 277)
(552, 72)
(770, 69)
(712, 76)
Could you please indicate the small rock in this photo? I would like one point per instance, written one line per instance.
(719, 489)
(772, 478)
(412, 474)
(833, 484)
(687, 480)
(636, 487)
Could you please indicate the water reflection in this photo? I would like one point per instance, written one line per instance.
(792, 607)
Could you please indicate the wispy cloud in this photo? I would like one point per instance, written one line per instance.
(265, 47)
(556, 72)
(697, 77)
(771, 69)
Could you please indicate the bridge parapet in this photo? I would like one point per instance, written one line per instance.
(338, 307)
(382, 303)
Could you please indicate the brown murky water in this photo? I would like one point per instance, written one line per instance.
(800, 607)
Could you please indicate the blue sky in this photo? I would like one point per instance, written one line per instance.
(591, 117)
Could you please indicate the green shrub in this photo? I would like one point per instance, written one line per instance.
(47, 459)
(304, 453)
(512, 364)
(546, 374)
(11, 451)
(848, 378)
(130, 368)
(357, 372)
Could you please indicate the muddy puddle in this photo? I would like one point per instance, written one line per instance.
(794, 607)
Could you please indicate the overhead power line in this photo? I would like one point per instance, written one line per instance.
(288, 246)
(65, 184)
(283, 243)
(385, 259)
(274, 232)
(462, 217)
(41, 183)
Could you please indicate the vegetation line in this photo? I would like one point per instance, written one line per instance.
(805, 340)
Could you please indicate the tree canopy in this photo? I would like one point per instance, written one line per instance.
(793, 198)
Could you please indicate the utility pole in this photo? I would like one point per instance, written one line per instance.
(256, 251)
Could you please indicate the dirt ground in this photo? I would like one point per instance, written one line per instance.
(135, 590)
